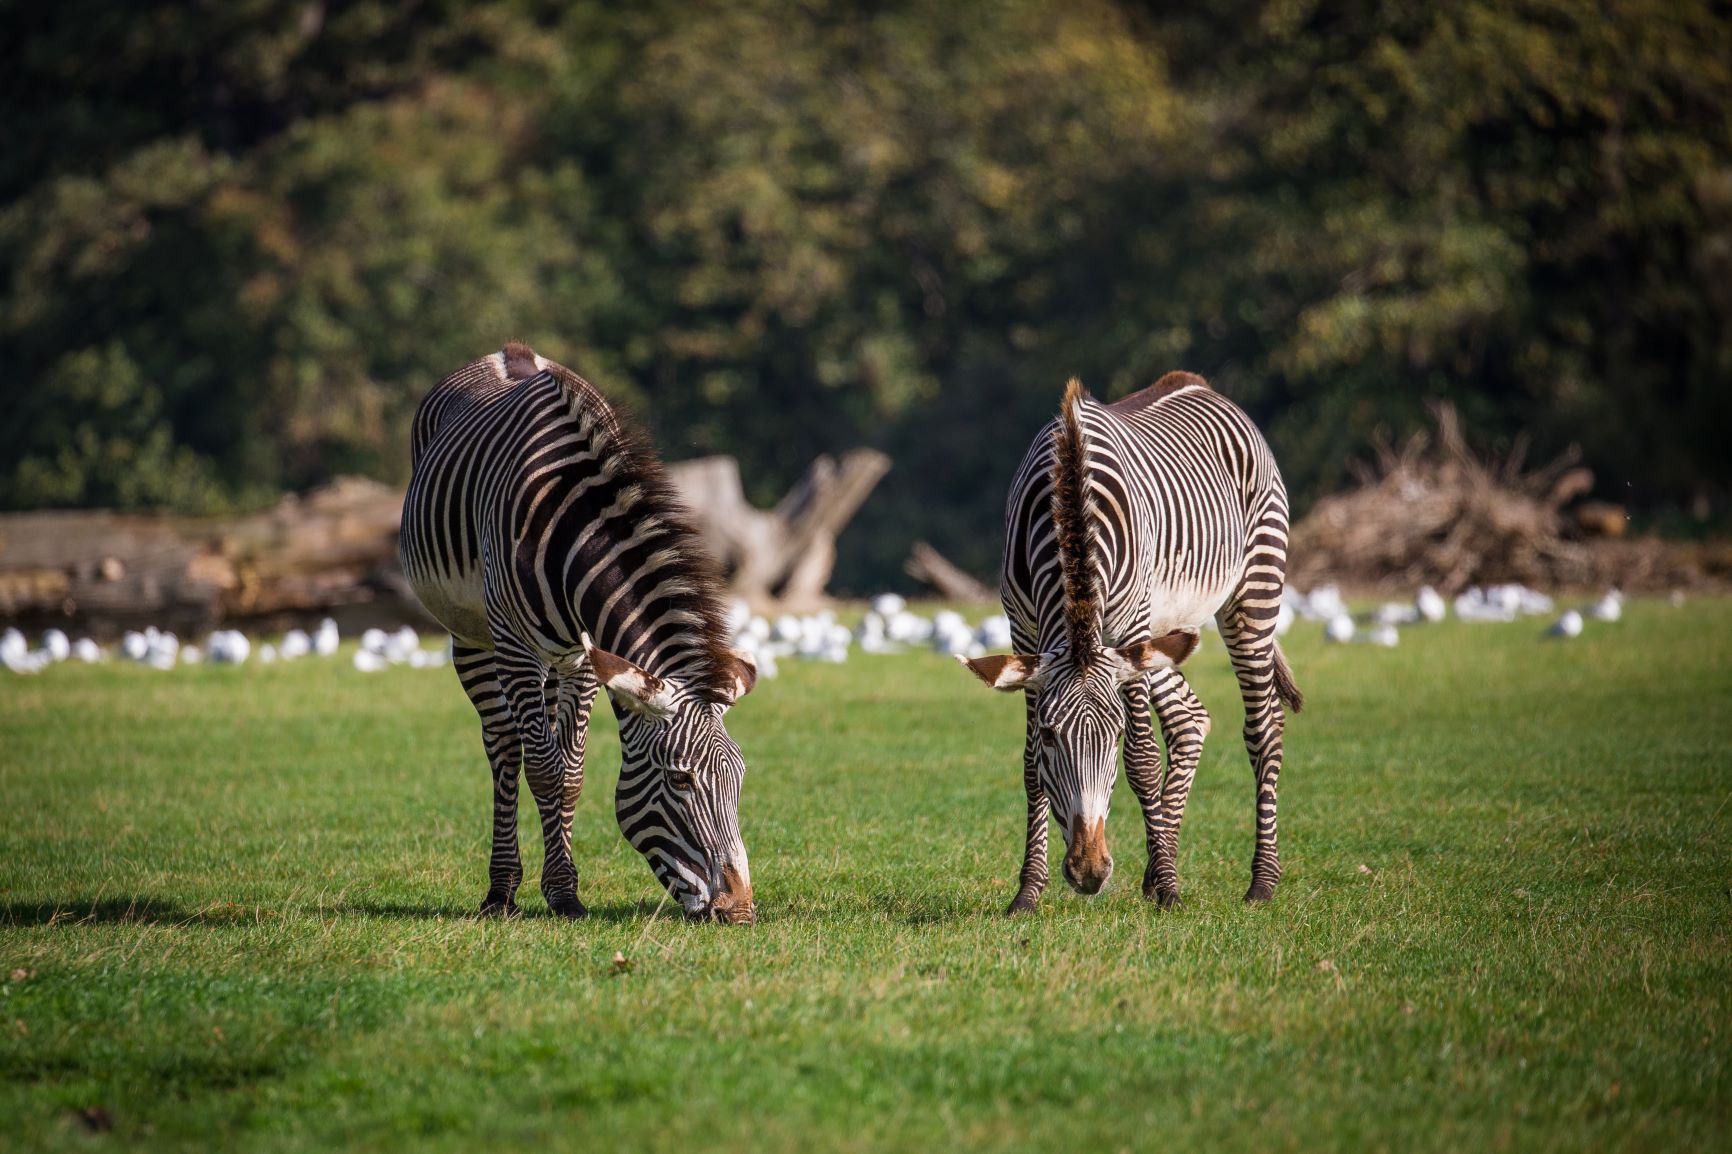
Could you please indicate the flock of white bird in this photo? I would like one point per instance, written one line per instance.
(889, 626)
(1382, 626)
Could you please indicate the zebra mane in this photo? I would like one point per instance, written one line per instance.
(691, 582)
(1072, 515)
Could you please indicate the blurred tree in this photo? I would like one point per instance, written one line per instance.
(242, 239)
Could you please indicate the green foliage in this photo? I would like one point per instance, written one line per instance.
(240, 902)
(782, 228)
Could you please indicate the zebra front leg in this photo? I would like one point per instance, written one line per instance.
(574, 695)
(1250, 638)
(1143, 772)
(476, 672)
(524, 677)
(1184, 726)
(1033, 881)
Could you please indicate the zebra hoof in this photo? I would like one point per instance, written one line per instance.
(568, 908)
(498, 906)
(1259, 893)
(1024, 903)
(1165, 899)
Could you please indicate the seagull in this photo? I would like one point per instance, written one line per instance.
(1568, 625)
(1608, 608)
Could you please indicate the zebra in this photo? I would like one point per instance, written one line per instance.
(542, 533)
(1128, 525)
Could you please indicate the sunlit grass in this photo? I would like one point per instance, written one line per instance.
(236, 912)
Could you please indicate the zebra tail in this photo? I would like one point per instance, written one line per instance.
(1285, 687)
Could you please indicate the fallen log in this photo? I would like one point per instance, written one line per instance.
(930, 567)
(335, 549)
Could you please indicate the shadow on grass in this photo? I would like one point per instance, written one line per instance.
(616, 913)
(135, 910)
(148, 911)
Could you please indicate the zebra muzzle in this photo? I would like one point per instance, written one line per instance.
(1087, 864)
(733, 901)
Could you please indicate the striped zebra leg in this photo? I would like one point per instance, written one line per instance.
(1184, 726)
(475, 669)
(1143, 773)
(1248, 628)
(523, 675)
(1034, 876)
(573, 695)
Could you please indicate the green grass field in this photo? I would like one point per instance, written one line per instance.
(235, 911)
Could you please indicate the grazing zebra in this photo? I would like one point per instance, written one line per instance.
(1128, 525)
(544, 535)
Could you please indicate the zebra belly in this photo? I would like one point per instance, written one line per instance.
(1188, 606)
(455, 601)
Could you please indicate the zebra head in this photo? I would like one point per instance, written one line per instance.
(1078, 718)
(679, 784)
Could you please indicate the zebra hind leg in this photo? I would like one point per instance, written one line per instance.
(524, 676)
(475, 669)
(1250, 637)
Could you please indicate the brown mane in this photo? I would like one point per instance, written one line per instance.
(519, 361)
(698, 589)
(1072, 508)
(1165, 387)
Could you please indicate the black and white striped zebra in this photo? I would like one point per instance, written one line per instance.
(543, 534)
(1128, 526)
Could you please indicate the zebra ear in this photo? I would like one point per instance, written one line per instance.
(744, 672)
(1006, 671)
(628, 686)
(1164, 652)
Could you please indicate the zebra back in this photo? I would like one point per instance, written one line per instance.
(537, 507)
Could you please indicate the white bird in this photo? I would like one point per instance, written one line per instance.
(1396, 613)
(1608, 608)
(229, 646)
(1568, 625)
(57, 644)
(135, 645)
(1385, 635)
(325, 641)
(295, 644)
(164, 651)
(994, 632)
(909, 628)
(1430, 604)
(13, 646)
(190, 655)
(374, 640)
(1476, 605)
(1284, 618)
(366, 660)
(739, 615)
(27, 661)
(1323, 604)
(888, 605)
(87, 651)
(401, 644)
(267, 653)
(1339, 629)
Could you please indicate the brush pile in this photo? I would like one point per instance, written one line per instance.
(1434, 512)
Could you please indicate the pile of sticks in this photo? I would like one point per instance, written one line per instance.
(1432, 511)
